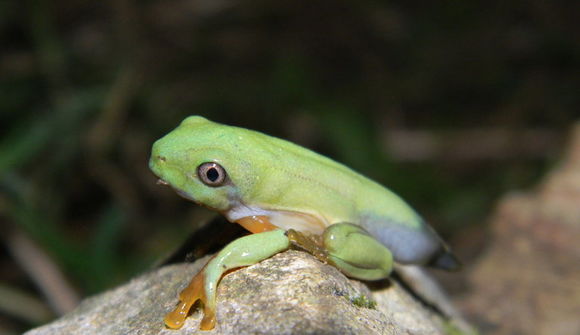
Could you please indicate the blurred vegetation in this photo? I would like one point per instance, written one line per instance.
(86, 87)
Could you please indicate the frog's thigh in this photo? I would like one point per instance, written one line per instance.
(356, 253)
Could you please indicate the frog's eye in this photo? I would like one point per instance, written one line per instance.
(212, 174)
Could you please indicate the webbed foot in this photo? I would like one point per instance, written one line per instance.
(187, 298)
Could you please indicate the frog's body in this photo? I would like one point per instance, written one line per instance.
(272, 184)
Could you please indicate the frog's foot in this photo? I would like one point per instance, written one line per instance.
(244, 251)
(187, 298)
(310, 243)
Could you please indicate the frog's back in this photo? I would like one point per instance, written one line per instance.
(334, 180)
(380, 211)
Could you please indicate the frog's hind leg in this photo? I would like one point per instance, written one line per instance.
(349, 248)
(332, 247)
(244, 251)
(356, 253)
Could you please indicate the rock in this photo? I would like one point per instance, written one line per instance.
(290, 293)
(528, 281)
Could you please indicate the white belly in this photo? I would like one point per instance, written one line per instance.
(302, 222)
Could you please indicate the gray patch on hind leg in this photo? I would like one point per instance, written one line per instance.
(408, 245)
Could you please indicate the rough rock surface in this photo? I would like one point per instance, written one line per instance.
(290, 293)
(528, 281)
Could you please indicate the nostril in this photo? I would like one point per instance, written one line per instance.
(162, 158)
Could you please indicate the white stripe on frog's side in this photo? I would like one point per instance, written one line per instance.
(306, 223)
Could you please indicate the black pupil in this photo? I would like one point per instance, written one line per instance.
(212, 174)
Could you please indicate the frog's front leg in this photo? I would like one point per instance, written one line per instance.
(244, 251)
(350, 248)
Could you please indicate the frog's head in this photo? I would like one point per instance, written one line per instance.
(199, 159)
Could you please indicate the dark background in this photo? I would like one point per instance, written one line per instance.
(450, 104)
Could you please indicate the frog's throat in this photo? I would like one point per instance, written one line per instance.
(299, 221)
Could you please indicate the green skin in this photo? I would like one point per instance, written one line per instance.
(364, 227)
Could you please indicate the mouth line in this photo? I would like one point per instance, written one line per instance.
(179, 192)
(184, 194)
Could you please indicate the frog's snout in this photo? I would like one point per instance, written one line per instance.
(158, 159)
(157, 163)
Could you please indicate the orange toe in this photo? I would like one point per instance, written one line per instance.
(192, 293)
